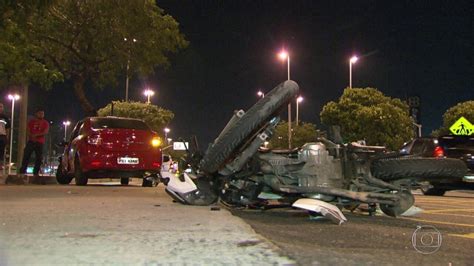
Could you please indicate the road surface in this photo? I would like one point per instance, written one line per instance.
(378, 240)
(105, 223)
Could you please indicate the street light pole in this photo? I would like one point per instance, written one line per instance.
(298, 100)
(419, 128)
(128, 67)
(126, 79)
(288, 56)
(148, 93)
(284, 55)
(351, 61)
(167, 130)
(13, 98)
(66, 124)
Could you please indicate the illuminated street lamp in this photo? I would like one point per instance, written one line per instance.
(128, 67)
(353, 60)
(298, 100)
(166, 130)
(283, 55)
(261, 94)
(148, 93)
(66, 124)
(13, 98)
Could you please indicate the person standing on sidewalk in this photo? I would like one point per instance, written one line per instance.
(4, 133)
(37, 130)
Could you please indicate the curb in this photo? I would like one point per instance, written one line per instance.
(28, 179)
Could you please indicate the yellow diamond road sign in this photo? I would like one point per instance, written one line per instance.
(462, 127)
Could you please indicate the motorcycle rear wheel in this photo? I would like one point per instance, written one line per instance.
(418, 168)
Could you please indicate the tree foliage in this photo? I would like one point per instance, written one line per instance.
(367, 114)
(85, 40)
(301, 134)
(156, 117)
(465, 109)
(20, 62)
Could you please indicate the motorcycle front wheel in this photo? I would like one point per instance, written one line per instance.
(248, 125)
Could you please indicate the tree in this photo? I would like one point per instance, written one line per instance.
(303, 133)
(19, 57)
(157, 118)
(465, 109)
(367, 114)
(85, 40)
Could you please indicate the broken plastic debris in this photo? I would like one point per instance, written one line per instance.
(327, 210)
(412, 211)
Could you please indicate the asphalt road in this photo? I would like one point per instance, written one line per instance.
(378, 240)
(108, 224)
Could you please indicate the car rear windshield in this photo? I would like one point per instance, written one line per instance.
(104, 123)
(458, 142)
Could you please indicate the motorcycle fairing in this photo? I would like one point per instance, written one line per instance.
(326, 209)
(186, 189)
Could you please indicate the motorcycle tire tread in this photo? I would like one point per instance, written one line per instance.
(263, 111)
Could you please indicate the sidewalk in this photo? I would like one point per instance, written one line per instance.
(14, 179)
(107, 224)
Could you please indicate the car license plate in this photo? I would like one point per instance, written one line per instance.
(127, 160)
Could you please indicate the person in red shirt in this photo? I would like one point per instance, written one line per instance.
(37, 130)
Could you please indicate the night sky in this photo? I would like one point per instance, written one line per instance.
(406, 48)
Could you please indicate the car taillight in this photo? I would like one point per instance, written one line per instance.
(96, 163)
(156, 142)
(438, 152)
(156, 164)
(94, 140)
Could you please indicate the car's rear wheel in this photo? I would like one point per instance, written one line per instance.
(61, 177)
(81, 179)
(124, 181)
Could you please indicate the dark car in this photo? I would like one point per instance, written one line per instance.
(459, 147)
(110, 147)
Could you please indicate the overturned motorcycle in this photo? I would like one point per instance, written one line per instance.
(317, 177)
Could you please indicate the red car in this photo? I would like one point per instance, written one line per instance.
(110, 147)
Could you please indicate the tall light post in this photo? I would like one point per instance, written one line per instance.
(148, 93)
(298, 100)
(418, 127)
(261, 94)
(13, 98)
(66, 124)
(353, 60)
(283, 55)
(166, 130)
(128, 67)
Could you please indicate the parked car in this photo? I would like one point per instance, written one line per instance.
(450, 146)
(110, 147)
